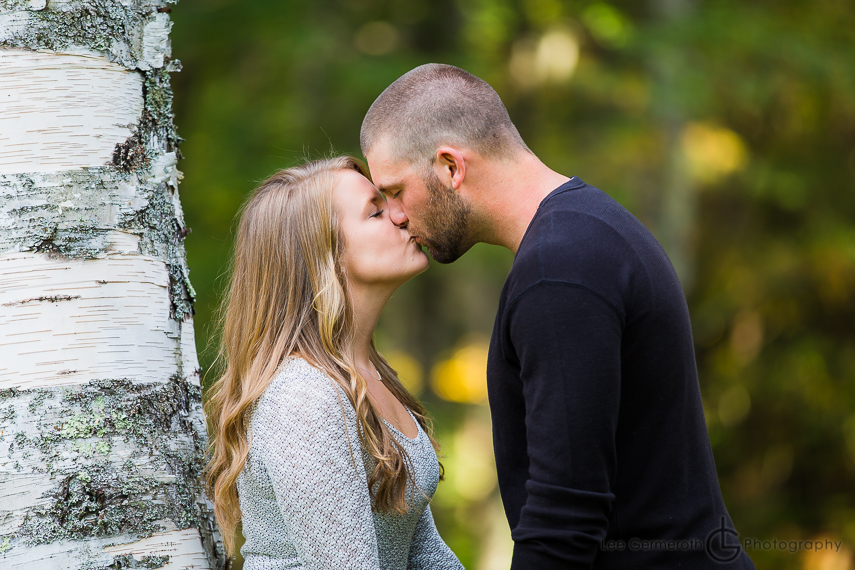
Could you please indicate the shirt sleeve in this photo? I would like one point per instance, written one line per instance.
(319, 480)
(568, 342)
(428, 551)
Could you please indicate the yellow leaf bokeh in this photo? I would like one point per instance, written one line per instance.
(463, 377)
(409, 370)
(712, 151)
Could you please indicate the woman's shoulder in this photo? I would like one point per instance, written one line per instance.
(297, 369)
(299, 389)
(304, 411)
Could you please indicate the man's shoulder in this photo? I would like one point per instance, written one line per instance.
(583, 236)
(584, 214)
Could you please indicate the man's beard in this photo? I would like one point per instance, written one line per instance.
(445, 224)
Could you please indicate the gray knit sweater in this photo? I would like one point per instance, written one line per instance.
(304, 493)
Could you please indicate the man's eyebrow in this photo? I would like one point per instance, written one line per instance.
(389, 187)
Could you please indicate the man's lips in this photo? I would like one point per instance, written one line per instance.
(420, 241)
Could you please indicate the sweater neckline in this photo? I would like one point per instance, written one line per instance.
(573, 183)
(402, 434)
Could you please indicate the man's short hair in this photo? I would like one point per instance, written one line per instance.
(436, 104)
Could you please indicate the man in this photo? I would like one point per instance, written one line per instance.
(601, 446)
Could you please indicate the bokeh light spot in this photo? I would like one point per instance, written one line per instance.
(746, 339)
(552, 58)
(475, 477)
(607, 24)
(409, 370)
(463, 377)
(712, 151)
(828, 558)
(734, 405)
(376, 38)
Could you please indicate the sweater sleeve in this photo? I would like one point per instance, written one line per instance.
(312, 457)
(568, 342)
(428, 551)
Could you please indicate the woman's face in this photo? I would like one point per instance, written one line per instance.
(376, 251)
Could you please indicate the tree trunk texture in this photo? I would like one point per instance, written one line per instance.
(101, 429)
(677, 208)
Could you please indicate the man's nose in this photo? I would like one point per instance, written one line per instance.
(396, 214)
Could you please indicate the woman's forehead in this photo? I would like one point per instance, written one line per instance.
(354, 189)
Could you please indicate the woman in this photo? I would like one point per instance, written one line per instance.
(317, 449)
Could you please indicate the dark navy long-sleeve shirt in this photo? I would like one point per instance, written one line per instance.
(598, 427)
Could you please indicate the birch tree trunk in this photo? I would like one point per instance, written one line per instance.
(101, 428)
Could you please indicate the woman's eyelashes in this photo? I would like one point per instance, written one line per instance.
(377, 214)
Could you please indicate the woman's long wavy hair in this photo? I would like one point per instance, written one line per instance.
(289, 296)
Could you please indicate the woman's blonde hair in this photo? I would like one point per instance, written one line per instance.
(288, 296)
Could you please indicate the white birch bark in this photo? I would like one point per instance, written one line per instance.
(101, 427)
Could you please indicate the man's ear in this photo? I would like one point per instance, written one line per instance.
(450, 166)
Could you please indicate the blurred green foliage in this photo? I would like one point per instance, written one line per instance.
(727, 127)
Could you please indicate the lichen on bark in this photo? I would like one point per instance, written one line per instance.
(131, 563)
(112, 460)
(67, 214)
(131, 155)
(155, 132)
(96, 200)
(157, 121)
(162, 236)
(115, 29)
(127, 457)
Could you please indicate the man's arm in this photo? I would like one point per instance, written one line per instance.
(568, 341)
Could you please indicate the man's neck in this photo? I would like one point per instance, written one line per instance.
(508, 197)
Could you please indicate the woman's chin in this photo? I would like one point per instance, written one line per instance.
(424, 261)
(417, 266)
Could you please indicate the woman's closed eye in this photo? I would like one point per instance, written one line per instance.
(377, 214)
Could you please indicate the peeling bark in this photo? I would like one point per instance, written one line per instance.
(102, 436)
